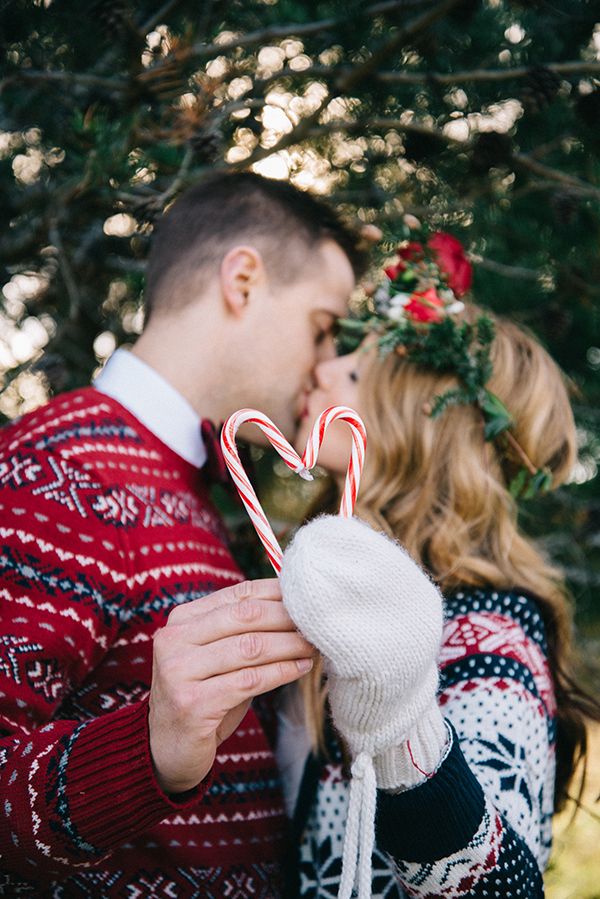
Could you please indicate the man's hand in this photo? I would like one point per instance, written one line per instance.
(212, 657)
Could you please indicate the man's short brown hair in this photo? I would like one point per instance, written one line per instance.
(283, 222)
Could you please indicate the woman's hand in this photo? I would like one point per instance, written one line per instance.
(377, 619)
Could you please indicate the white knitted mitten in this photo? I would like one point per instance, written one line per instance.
(377, 620)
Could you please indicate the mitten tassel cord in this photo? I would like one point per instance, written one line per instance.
(359, 839)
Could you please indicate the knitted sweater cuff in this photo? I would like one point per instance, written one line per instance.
(111, 789)
(444, 812)
(418, 757)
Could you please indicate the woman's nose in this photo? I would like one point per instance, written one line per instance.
(323, 375)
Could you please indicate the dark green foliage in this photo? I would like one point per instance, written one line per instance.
(541, 87)
(490, 150)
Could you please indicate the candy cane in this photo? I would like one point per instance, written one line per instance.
(357, 457)
(293, 461)
(242, 482)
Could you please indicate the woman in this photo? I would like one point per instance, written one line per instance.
(464, 412)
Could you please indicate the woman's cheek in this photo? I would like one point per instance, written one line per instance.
(336, 448)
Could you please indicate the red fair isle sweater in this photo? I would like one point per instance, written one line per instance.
(104, 531)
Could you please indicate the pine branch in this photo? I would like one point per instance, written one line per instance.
(345, 84)
(122, 264)
(551, 145)
(323, 72)
(179, 180)
(438, 78)
(93, 236)
(581, 284)
(279, 32)
(363, 125)
(576, 67)
(533, 187)
(73, 79)
(398, 39)
(65, 270)
(575, 185)
(91, 81)
(157, 200)
(204, 20)
(14, 248)
(107, 60)
(428, 212)
(159, 16)
(301, 131)
(201, 51)
(507, 271)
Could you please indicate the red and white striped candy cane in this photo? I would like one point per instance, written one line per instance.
(357, 457)
(242, 481)
(293, 461)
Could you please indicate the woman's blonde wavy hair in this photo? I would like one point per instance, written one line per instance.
(439, 488)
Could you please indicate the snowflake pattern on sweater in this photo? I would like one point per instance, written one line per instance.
(480, 826)
(104, 530)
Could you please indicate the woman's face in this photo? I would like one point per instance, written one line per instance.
(337, 384)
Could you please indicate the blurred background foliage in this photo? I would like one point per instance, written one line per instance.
(478, 116)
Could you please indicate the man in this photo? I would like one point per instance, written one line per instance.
(130, 647)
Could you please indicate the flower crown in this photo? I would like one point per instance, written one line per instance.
(415, 311)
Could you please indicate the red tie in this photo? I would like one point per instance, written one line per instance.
(215, 467)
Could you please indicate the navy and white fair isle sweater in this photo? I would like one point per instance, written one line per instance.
(480, 826)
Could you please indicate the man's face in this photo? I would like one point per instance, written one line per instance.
(297, 333)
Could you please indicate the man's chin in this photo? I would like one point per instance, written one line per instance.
(301, 434)
(251, 433)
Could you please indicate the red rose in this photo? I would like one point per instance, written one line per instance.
(452, 260)
(425, 306)
(393, 271)
(408, 253)
(411, 251)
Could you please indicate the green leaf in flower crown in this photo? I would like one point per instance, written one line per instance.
(518, 483)
(540, 482)
(352, 324)
(485, 330)
(387, 343)
(406, 277)
(497, 416)
(526, 485)
(350, 334)
(455, 397)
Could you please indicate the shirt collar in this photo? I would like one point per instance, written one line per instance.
(155, 402)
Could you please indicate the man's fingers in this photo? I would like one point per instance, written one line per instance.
(265, 588)
(235, 618)
(229, 690)
(243, 651)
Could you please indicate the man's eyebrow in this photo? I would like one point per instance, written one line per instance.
(333, 315)
(334, 323)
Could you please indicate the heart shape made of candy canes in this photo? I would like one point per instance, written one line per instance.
(291, 458)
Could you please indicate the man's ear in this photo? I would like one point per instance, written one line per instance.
(242, 269)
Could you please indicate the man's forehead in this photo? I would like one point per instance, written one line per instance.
(336, 276)
(336, 260)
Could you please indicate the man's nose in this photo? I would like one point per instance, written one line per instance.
(326, 349)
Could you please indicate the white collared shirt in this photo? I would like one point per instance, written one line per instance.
(155, 402)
